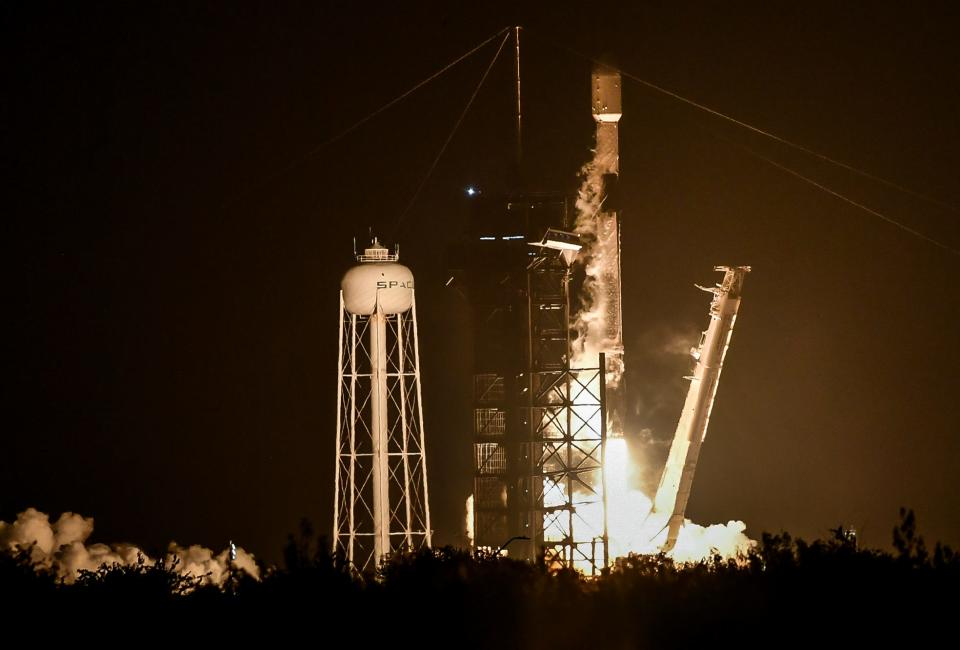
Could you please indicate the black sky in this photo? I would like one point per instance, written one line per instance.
(170, 328)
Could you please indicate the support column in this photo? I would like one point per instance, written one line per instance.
(379, 435)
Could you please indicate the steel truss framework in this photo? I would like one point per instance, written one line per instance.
(568, 446)
(492, 459)
(379, 361)
(566, 416)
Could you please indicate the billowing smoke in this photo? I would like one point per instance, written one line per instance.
(61, 547)
(598, 322)
(698, 542)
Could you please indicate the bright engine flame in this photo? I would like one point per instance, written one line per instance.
(634, 528)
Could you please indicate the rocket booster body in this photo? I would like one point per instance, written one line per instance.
(677, 479)
(607, 110)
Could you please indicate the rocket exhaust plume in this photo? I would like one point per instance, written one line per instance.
(61, 547)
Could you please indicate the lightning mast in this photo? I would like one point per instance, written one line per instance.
(677, 479)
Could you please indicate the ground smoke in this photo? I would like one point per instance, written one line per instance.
(61, 547)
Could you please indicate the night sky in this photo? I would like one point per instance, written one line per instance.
(173, 254)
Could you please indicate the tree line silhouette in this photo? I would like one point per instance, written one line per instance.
(786, 591)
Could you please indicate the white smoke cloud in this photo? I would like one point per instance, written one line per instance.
(598, 321)
(61, 547)
(33, 528)
(696, 542)
(70, 559)
(197, 561)
(677, 343)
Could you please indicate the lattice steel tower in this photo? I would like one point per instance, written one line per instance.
(381, 499)
(566, 418)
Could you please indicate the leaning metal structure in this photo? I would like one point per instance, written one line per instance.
(676, 481)
(381, 498)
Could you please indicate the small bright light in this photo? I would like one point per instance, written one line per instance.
(472, 191)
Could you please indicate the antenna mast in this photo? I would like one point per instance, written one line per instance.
(516, 41)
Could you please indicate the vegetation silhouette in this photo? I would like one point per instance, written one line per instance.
(784, 591)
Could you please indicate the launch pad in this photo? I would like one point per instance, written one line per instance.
(542, 274)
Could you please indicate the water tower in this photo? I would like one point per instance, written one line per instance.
(380, 503)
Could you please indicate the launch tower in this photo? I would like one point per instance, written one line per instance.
(540, 395)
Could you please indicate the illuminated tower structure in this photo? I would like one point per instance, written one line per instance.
(538, 426)
(539, 414)
(489, 266)
(381, 498)
(566, 417)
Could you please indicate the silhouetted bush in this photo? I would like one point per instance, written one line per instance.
(786, 592)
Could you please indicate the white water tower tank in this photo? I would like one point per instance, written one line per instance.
(378, 276)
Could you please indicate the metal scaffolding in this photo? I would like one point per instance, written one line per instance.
(566, 420)
(381, 501)
(539, 426)
(567, 445)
